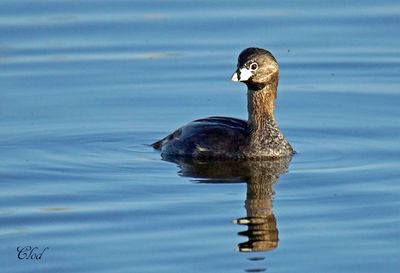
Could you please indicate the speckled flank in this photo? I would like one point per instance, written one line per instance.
(231, 138)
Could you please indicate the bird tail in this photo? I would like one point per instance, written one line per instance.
(157, 145)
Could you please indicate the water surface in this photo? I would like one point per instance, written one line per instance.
(86, 85)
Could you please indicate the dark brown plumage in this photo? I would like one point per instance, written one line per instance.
(231, 138)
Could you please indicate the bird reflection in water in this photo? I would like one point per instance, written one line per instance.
(260, 176)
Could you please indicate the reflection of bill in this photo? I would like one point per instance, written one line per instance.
(262, 232)
(259, 176)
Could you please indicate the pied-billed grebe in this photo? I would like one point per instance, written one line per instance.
(231, 138)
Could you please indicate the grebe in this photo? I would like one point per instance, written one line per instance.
(231, 138)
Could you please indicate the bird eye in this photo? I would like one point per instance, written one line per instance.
(253, 66)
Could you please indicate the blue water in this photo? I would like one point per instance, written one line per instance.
(85, 85)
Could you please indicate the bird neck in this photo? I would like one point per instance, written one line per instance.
(260, 107)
